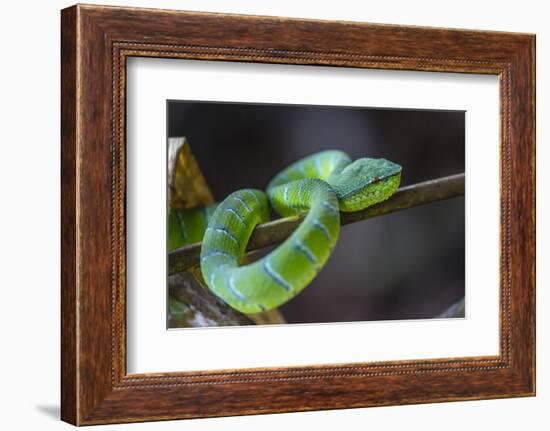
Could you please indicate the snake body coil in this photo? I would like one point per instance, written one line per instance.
(322, 185)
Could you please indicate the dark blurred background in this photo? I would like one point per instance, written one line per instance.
(405, 265)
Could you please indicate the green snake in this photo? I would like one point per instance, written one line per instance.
(321, 185)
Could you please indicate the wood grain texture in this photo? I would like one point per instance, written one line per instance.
(69, 397)
(96, 41)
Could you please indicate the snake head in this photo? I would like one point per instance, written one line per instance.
(365, 182)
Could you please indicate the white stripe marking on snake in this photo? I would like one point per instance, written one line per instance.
(277, 277)
(216, 253)
(228, 234)
(255, 196)
(286, 196)
(243, 202)
(330, 206)
(233, 288)
(236, 214)
(307, 252)
(322, 227)
(215, 271)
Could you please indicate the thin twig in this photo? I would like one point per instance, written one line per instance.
(276, 231)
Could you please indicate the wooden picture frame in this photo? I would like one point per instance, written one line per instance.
(95, 43)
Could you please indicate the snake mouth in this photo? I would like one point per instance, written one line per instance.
(377, 190)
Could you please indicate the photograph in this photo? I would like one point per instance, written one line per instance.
(332, 211)
(303, 214)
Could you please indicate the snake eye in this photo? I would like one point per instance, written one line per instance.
(375, 179)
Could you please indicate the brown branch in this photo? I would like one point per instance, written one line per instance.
(196, 306)
(276, 231)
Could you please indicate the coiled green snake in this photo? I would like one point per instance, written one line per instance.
(321, 185)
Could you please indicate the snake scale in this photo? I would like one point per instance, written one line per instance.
(321, 185)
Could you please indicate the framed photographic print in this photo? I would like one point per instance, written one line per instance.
(329, 214)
